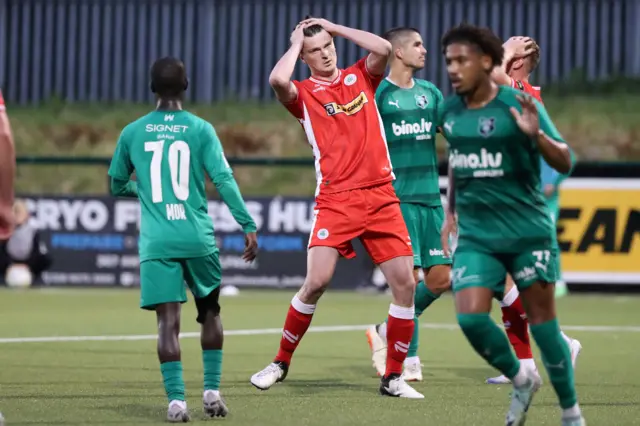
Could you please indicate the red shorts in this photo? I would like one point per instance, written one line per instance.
(371, 214)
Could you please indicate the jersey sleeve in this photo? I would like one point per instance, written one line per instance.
(121, 166)
(213, 159)
(2, 107)
(546, 125)
(373, 80)
(295, 106)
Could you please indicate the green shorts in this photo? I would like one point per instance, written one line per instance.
(424, 224)
(475, 268)
(163, 280)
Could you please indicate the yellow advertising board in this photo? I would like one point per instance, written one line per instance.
(599, 230)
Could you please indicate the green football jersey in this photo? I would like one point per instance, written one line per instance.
(496, 169)
(170, 152)
(409, 118)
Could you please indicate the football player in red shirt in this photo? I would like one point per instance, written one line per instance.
(7, 173)
(354, 197)
(521, 57)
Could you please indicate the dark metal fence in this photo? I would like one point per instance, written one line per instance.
(101, 50)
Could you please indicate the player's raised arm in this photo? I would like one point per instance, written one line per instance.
(280, 77)
(535, 122)
(7, 173)
(514, 48)
(379, 48)
(121, 169)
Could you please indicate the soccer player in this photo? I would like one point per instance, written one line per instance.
(496, 136)
(408, 109)
(521, 57)
(7, 174)
(170, 150)
(354, 197)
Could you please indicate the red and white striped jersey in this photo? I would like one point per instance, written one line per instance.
(344, 129)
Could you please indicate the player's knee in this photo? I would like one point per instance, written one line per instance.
(314, 287)
(474, 324)
(439, 283)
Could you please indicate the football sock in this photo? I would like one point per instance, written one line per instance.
(173, 380)
(422, 299)
(490, 343)
(296, 324)
(399, 330)
(516, 324)
(557, 360)
(212, 363)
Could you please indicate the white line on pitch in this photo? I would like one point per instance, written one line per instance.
(265, 331)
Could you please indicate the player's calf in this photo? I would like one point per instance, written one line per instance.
(211, 340)
(400, 323)
(321, 264)
(168, 316)
(540, 307)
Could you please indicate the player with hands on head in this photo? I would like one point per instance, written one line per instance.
(354, 197)
(170, 151)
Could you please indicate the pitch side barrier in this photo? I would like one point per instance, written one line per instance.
(93, 239)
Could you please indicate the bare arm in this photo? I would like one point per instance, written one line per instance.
(7, 174)
(557, 155)
(451, 193)
(280, 77)
(7, 161)
(380, 48)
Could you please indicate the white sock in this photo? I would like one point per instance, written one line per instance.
(382, 331)
(215, 392)
(521, 378)
(529, 364)
(566, 338)
(412, 360)
(573, 412)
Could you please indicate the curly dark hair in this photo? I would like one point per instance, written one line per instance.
(483, 38)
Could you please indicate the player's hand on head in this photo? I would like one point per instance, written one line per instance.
(519, 47)
(250, 247)
(326, 25)
(297, 36)
(528, 120)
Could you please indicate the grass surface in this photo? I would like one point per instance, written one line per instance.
(599, 128)
(331, 380)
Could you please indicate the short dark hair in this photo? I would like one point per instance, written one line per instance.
(168, 77)
(483, 38)
(394, 34)
(313, 29)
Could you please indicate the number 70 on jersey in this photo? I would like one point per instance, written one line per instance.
(179, 161)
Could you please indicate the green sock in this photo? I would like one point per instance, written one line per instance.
(173, 381)
(557, 360)
(212, 362)
(422, 299)
(490, 342)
